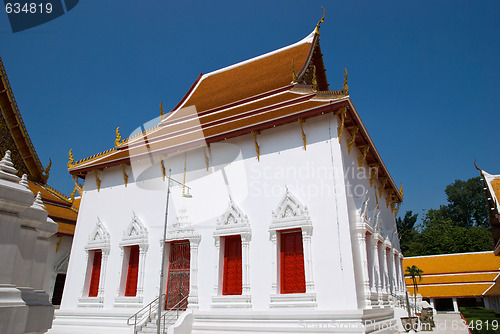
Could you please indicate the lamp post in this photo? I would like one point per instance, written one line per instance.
(186, 195)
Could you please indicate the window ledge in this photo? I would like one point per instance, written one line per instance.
(293, 300)
(231, 301)
(90, 301)
(123, 301)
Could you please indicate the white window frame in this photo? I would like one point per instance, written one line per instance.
(233, 222)
(136, 234)
(292, 214)
(99, 239)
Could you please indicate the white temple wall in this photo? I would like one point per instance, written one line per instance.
(255, 186)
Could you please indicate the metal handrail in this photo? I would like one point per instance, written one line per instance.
(172, 313)
(140, 315)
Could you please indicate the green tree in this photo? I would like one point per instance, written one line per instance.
(467, 203)
(461, 226)
(406, 230)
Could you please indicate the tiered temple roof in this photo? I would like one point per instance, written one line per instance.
(15, 138)
(456, 275)
(284, 86)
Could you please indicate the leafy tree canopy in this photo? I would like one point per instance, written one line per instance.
(459, 227)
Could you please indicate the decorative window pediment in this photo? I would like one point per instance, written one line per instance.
(99, 238)
(233, 221)
(135, 233)
(290, 213)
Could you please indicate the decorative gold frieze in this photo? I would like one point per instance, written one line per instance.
(47, 171)
(71, 161)
(125, 176)
(353, 130)
(373, 174)
(257, 148)
(340, 129)
(162, 170)
(364, 151)
(383, 182)
(78, 188)
(304, 139)
(118, 137)
(345, 88)
(97, 180)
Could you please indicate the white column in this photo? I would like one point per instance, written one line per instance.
(245, 255)
(376, 268)
(274, 265)
(142, 261)
(401, 274)
(306, 241)
(193, 274)
(102, 279)
(386, 269)
(455, 305)
(364, 268)
(218, 257)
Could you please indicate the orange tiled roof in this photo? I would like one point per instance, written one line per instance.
(455, 275)
(253, 95)
(59, 208)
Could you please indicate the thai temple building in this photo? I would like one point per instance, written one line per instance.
(279, 213)
(36, 243)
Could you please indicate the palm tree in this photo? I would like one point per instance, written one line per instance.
(414, 272)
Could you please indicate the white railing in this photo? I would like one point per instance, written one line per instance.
(144, 314)
(170, 316)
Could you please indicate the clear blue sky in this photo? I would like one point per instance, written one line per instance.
(423, 75)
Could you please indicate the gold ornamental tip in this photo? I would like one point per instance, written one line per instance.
(320, 21)
(71, 159)
(118, 137)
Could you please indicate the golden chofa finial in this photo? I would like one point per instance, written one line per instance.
(479, 169)
(71, 159)
(401, 190)
(320, 21)
(161, 109)
(118, 137)
(345, 88)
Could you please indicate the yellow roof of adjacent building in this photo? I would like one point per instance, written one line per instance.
(456, 275)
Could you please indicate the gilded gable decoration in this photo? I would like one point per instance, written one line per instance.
(97, 180)
(257, 148)
(353, 130)
(364, 151)
(124, 173)
(340, 129)
(304, 139)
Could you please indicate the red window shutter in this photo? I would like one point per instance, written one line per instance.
(293, 279)
(133, 272)
(96, 274)
(231, 282)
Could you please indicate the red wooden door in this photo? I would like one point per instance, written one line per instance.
(96, 274)
(232, 266)
(132, 272)
(292, 262)
(178, 274)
